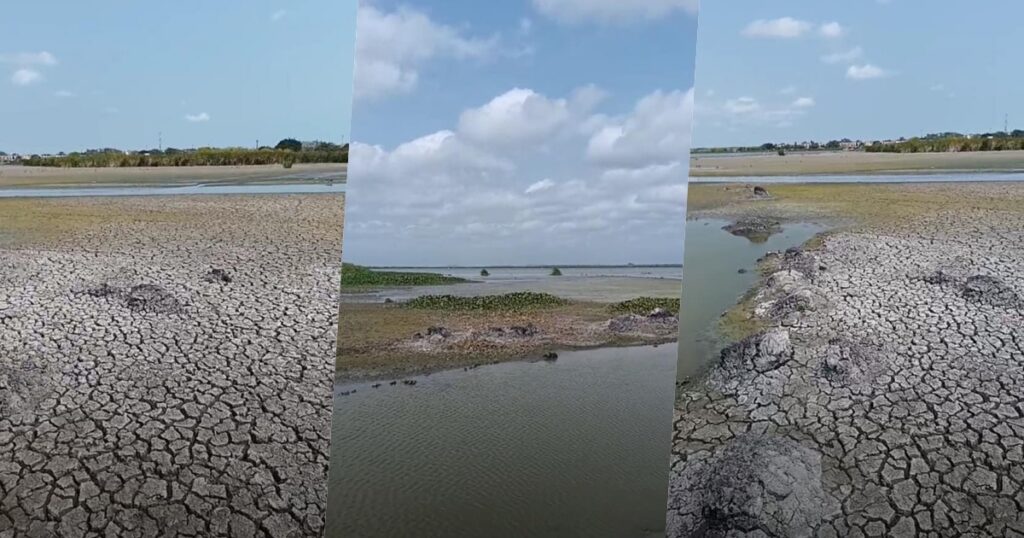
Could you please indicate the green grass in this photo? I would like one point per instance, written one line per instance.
(644, 305)
(357, 276)
(509, 302)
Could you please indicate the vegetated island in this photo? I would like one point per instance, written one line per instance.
(871, 375)
(438, 331)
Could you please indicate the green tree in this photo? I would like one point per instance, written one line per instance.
(289, 144)
(556, 272)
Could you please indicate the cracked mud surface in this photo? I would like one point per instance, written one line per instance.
(166, 367)
(888, 401)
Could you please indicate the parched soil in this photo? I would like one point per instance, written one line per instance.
(381, 341)
(883, 393)
(165, 364)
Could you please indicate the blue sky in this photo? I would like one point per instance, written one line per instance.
(520, 132)
(77, 75)
(917, 67)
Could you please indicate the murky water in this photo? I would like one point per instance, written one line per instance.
(576, 447)
(609, 284)
(713, 283)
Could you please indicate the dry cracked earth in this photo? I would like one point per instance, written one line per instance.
(885, 397)
(166, 368)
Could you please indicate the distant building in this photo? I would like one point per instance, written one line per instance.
(8, 159)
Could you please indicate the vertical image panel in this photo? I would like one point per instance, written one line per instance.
(510, 292)
(171, 209)
(851, 342)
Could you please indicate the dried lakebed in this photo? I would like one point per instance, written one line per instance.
(165, 364)
(884, 394)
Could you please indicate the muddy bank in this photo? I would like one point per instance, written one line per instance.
(165, 364)
(881, 391)
(385, 341)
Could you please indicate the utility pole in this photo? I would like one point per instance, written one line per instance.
(160, 140)
(1006, 123)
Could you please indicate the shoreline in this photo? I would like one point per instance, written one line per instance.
(18, 176)
(852, 163)
(870, 345)
(388, 341)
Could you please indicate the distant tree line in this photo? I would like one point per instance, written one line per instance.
(287, 152)
(946, 142)
(784, 147)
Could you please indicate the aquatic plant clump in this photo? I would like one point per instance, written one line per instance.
(517, 301)
(356, 276)
(643, 306)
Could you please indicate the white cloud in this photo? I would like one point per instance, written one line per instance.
(278, 15)
(831, 30)
(197, 118)
(656, 132)
(843, 57)
(541, 185)
(515, 117)
(782, 28)
(865, 72)
(788, 90)
(742, 105)
(474, 194)
(392, 47)
(612, 11)
(745, 111)
(25, 77)
(525, 25)
(63, 94)
(28, 58)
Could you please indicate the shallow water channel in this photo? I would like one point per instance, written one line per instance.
(713, 283)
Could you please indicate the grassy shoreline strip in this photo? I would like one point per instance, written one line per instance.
(357, 276)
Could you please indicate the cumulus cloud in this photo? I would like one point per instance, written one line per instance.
(392, 47)
(612, 11)
(26, 77)
(865, 72)
(492, 190)
(804, 102)
(514, 117)
(781, 28)
(831, 30)
(658, 131)
(846, 56)
(197, 118)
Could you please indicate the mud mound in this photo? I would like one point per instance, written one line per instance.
(631, 323)
(151, 298)
(217, 276)
(846, 362)
(756, 229)
(989, 290)
(759, 484)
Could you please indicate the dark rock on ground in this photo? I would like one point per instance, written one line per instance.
(151, 298)
(756, 229)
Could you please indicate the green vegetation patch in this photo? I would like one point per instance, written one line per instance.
(353, 276)
(645, 305)
(509, 302)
